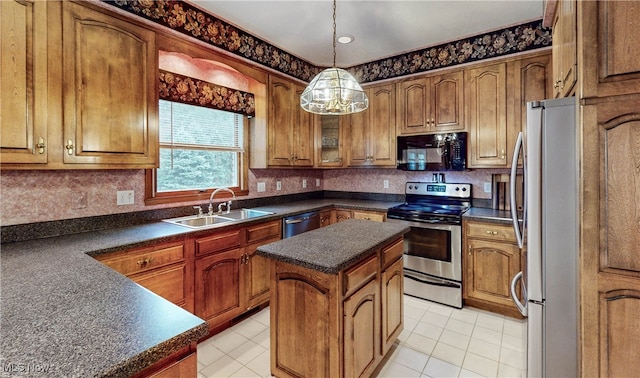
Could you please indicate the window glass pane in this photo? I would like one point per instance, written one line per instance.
(182, 169)
(189, 124)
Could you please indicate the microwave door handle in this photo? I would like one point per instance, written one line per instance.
(512, 182)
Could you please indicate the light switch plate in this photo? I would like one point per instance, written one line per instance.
(304, 183)
(317, 182)
(487, 187)
(386, 184)
(124, 197)
(278, 185)
(261, 187)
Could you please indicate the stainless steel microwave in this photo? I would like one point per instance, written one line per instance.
(433, 152)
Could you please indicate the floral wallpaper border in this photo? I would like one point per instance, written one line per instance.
(192, 21)
(188, 90)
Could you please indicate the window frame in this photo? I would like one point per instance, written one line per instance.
(153, 197)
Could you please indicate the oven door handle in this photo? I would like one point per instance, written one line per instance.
(431, 281)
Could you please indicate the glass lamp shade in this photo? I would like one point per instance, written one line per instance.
(334, 91)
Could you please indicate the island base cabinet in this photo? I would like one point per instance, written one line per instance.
(362, 331)
(331, 325)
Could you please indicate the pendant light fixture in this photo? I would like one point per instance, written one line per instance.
(334, 91)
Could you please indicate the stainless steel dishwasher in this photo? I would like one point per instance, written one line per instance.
(297, 224)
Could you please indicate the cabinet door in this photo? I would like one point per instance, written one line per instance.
(257, 275)
(448, 102)
(358, 137)
(302, 133)
(486, 97)
(382, 126)
(280, 120)
(110, 99)
(362, 331)
(325, 218)
(490, 267)
(329, 141)
(343, 215)
(218, 286)
(414, 106)
(568, 58)
(168, 282)
(23, 82)
(392, 304)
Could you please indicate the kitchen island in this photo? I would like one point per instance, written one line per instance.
(336, 299)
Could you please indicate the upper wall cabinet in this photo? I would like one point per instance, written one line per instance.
(611, 64)
(372, 133)
(329, 141)
(564, 48)
(23, 82)
(110, 96)
(289, 127)
(431, 104)
(486, 114)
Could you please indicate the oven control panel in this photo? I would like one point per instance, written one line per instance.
(438, 189)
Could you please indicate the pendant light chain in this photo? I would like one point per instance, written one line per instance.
(334, 33)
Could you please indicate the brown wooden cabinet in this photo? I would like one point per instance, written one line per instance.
(486, 115)
(431, 104)
(166, 269)
(342, 314)
(230, 278)
(372, 133)
(344, 214)
(492, 259)
(289, 128)
(23, 82)
(329, 141)
(564, 48)
(110, 96)
(88, 98)
(327, 217)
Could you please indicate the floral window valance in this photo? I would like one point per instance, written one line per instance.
(188, 90)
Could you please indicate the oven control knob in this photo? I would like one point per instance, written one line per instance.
(457, 189)
(464, 189)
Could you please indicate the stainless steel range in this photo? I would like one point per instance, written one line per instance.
(433, 247)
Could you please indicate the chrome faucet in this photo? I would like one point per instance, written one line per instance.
(227, 203)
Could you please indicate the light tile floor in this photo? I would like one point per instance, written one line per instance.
(437, 341)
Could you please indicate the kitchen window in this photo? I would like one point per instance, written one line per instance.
(200, 149)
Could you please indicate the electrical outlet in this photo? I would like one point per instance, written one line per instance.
(386, 184)
(278, 185)
(124, 197)
(317, 182)
(261, 187)
(304, 183)
(487, 187)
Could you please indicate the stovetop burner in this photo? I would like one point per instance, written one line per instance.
(433, 202)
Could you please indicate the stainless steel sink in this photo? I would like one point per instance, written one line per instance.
(245, 214)
(205, 221)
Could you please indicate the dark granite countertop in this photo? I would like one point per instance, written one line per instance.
(333, 248)
(64, 312)
(490, 215)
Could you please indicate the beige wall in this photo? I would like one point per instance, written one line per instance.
(38, 196)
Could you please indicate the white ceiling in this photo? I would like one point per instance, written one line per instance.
(381, 29)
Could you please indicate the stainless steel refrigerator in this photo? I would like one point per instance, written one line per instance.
(548, 233)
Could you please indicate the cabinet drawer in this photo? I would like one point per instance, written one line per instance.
(491, 231)
(218, 242)
(361, 273)
(263, 231)
(144, 259)
(391, 253)
(166, 282)
(368, 215)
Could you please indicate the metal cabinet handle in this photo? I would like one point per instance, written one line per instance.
(40, 145)
(69, 146)
(146, 261)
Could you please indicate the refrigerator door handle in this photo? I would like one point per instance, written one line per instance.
(521, 307)
(512, 183)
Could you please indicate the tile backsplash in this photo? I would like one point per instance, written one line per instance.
(39, 196)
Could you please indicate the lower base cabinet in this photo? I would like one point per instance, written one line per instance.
(341, 325)
(492, 259)
(230, 278)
